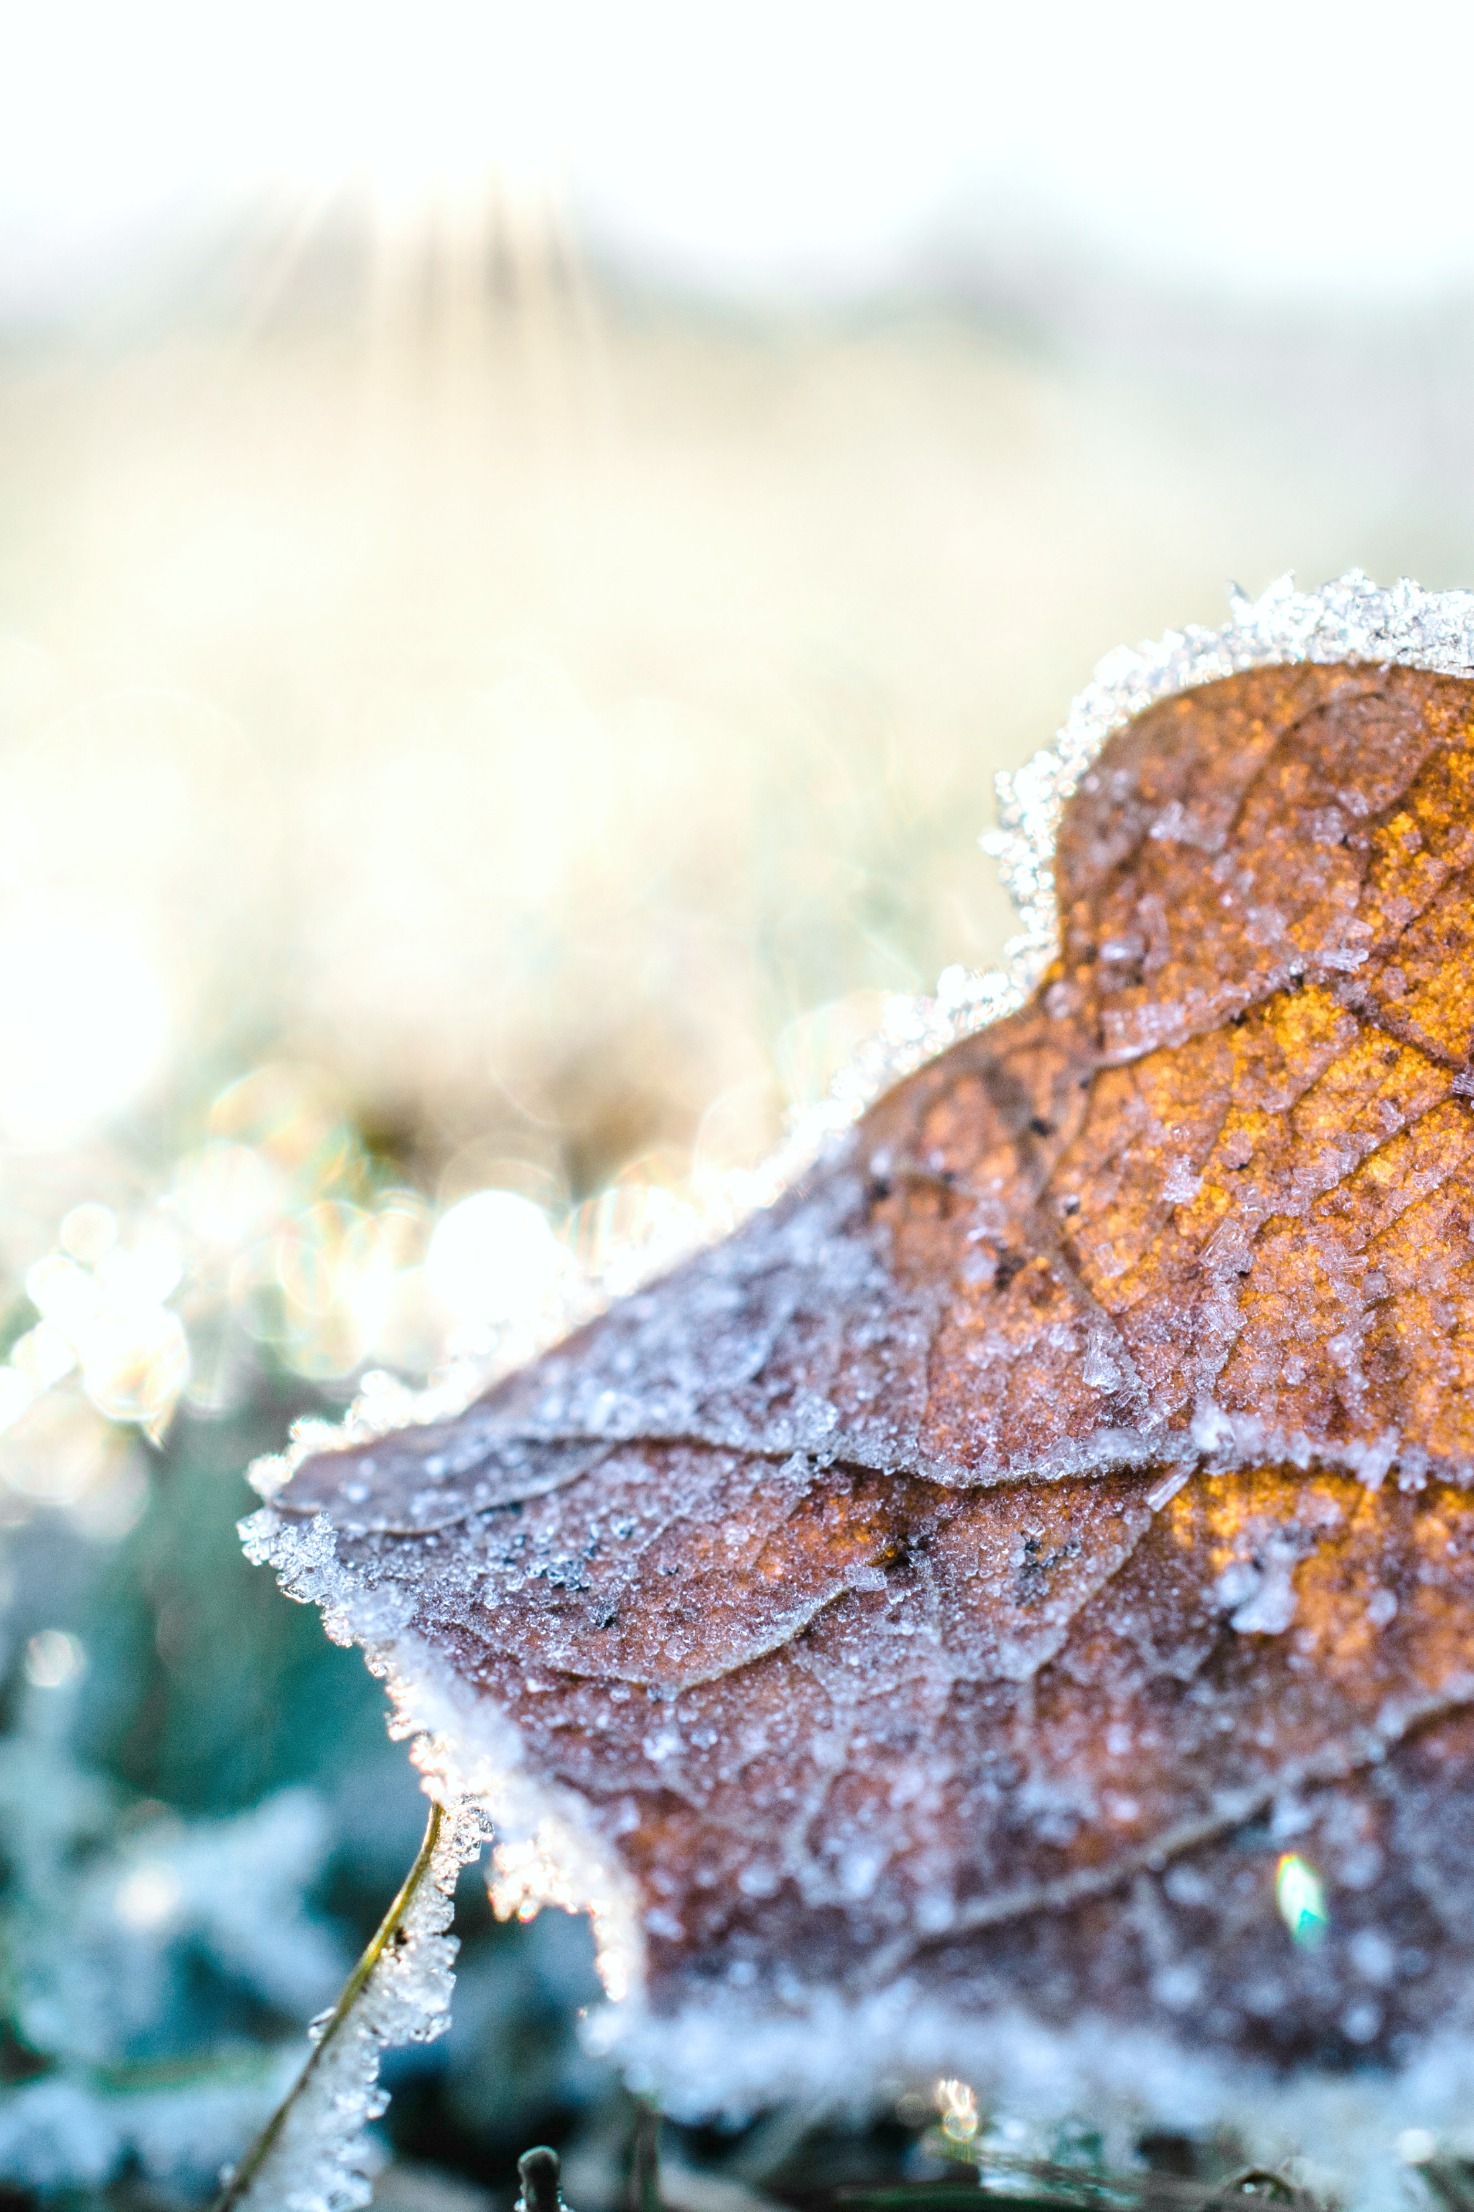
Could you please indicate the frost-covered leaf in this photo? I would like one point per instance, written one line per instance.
(976, 1578)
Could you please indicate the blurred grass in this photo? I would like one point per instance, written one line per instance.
(527, 746)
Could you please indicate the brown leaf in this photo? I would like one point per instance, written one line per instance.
(977, 1567)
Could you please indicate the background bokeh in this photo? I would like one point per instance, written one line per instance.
(525, 536)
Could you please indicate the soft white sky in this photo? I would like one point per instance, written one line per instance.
(767, 145)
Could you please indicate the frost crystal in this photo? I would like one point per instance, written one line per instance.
(914, 1628)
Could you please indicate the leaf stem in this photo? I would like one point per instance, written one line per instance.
(234, 2191)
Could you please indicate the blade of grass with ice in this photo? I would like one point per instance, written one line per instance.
(313, 2154)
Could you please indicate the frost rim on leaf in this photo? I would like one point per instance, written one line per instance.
(545, 1851)
(1351, 619)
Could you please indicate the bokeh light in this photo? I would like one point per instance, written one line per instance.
(1300, 1895)
(148, 1896)
(491, 1256)
(957, 2106)
(83, 1016)
(225, 1194)
(54, 1659)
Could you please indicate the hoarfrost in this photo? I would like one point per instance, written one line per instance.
(114, 1923)
(62, 2133)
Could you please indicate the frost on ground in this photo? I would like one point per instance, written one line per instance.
(117, 1917)
(943, 1612)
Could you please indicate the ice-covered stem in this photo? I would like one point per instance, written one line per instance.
(643, 2191)
(538, 2169)
(312, 2155)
